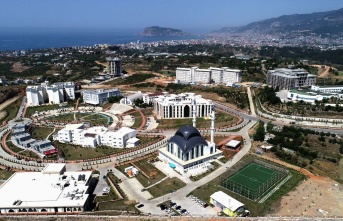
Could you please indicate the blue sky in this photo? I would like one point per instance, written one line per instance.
(137, 14)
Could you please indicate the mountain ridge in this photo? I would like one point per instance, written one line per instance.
(316, 22)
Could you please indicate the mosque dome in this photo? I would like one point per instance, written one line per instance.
(187, 137)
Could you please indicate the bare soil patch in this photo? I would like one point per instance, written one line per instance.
(19, 67)
(313, 197)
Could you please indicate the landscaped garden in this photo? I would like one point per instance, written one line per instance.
(31, 110)
(149, 169)
(41, 133)
(168, 185)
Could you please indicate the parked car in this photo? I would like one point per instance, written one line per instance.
(140, 205)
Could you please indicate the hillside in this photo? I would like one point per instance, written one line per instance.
(160, 31)
(318, 22)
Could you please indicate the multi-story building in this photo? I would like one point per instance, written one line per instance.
(114, 66)
(182, 106)
(97, 136)
(100, 96)
(202, 76)
(185, 75)
(222, 75)
(149, 98)
(328, 88)
(231, 76)
(35, 95)
(51, 191)
(290, 78)
(53, 94)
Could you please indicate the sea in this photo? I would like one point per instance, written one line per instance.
(38, 38)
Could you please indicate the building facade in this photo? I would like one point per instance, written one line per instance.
(290, 78)
(311, 96)
(328, 88)
(115, 67)
(100, 96)
(95, 136)
(53, 94)
(222, 75)
(182, 106)
(225, 203)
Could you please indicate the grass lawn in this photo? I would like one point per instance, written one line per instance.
(202, 175)
(124, 205)
(76, 152)
(166, 186)
(92, 118)
(257, 209)
(4, 174)
(147, 168)
(40, 133)
(62, 117)
(138, 119)
(11, 111)
(147, 111)
(31, 110)
(222, 120)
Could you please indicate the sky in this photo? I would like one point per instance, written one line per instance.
(187, 15)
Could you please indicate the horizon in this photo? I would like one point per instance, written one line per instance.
(38, 15)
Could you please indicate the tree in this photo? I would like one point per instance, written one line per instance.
(260, 132)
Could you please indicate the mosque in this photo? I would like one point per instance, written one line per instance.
(187, 150)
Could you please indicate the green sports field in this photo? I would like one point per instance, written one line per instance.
(253, 180)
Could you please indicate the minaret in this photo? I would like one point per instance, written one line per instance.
(194, 113)
(213, 117)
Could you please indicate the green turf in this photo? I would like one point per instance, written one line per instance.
(253, 176)
(253, 180)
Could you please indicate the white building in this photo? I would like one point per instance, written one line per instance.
(53, 94)
(53, 190)
(222, 75)
(182, 106)
(96, 136)
(130, 100)
(149, 98)
(35, 95)
(328, 88)
(310, 96)
(100, 96)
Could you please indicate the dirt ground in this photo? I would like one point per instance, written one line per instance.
(316, 196)
(322, 72)
(19, 67)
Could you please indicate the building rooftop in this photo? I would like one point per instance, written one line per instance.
(100, 91)
(187, 137)
(53, 168)
(227, 201)
(41, 190)
(73, 126)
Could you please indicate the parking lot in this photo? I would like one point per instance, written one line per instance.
(188, 206)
